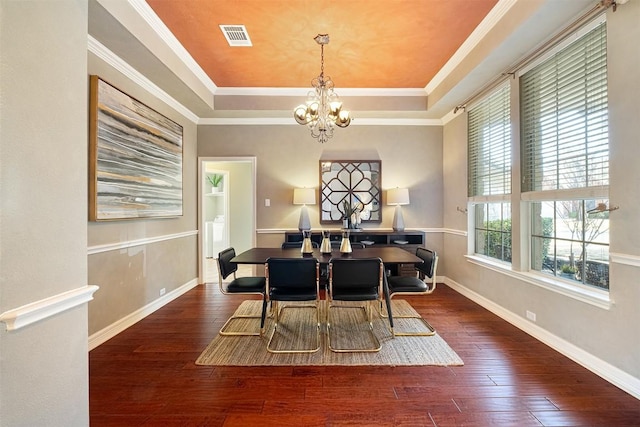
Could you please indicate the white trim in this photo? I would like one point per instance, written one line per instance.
(601, 191)
(596, 297)
(493, 17)
(274, 230)
(253, 161)
(455, 232)
(138, 242)
(39, 310)
(101, 51)
(304, 91)
(115, 328)
(614, 375)
(355, 121)
(626, 259)
(389, 230)
(378, 121)
(247, 121)
(450, 116)
(150, 17)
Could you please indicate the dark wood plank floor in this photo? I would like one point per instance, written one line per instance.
(146, 376)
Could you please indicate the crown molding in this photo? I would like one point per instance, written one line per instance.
(303, 91)
(102, 52)
(151, 18)
(280, 121)
(493, 17)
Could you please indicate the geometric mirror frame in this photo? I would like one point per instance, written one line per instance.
(355, 181)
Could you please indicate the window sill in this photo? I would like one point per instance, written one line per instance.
(582, 293)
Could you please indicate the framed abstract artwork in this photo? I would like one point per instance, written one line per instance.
(135, 158)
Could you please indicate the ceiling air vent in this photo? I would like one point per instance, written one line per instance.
(236, 35)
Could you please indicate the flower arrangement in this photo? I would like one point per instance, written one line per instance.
(348, 210)
(352, 213)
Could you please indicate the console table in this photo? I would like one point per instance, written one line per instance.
(408, 240)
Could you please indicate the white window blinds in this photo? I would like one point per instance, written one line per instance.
(565, 141)
(489, 128)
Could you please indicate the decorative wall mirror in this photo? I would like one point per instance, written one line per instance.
(357, 182)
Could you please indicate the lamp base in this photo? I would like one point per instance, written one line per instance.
(304, 223)
(398, 220)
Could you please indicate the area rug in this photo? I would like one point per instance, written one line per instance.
(297, 329)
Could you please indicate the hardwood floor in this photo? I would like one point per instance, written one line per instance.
(146, 376)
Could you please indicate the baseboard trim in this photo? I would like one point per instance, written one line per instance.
(115, 328)
(612, 374)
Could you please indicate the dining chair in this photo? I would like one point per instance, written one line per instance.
(293, 280)
(249, 285)
(422, 284)
(354, 280)
(335, 244)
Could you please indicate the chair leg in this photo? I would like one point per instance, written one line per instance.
(264, 315)
(367, 313)
(277, 323)
(430, 329)
(224, 331)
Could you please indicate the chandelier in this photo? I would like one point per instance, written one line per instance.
(323, 109)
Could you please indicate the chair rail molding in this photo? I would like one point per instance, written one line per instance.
(39, 310)
(138, 242)
(425, 229)
(626, 259)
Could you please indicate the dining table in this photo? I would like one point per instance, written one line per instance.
(390, 255)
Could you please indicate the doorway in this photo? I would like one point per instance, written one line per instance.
(227, 215)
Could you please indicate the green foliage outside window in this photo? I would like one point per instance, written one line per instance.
(498, 233)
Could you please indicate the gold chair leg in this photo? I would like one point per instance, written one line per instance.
(225, 332)
(277, 322)
(395, 332)
(367, 312)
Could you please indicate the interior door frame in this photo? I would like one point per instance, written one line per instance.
(201, 206)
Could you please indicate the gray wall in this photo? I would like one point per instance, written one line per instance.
(131, 278)
(43, 234)
(288, 157)
(610, 335)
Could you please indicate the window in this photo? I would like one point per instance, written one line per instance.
(493, 230)
(489, 174)
(565, 160)
(569, 242)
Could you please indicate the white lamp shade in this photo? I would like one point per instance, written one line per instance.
(304, 196)
(398, 196)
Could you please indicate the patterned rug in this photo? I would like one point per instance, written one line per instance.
(297, 329)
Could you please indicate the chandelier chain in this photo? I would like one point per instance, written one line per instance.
(322, 63)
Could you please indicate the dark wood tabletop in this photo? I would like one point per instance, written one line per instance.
(388, 255)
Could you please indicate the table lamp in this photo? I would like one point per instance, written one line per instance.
(304, 197)
(398, 197)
